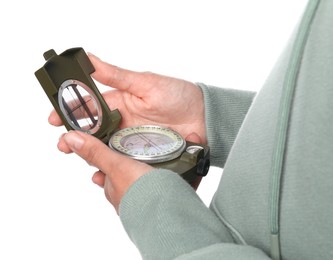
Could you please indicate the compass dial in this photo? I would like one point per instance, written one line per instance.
(151, 144)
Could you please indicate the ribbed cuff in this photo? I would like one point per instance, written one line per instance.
(225, 110)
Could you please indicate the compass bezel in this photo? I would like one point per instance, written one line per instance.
(154, 157)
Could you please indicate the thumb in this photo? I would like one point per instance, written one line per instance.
(91, 149)
(113, 76)
(99, 155)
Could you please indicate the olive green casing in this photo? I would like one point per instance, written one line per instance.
(189, 165)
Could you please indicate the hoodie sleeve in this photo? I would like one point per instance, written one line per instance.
(165, 219)
(225, 110)
(163, 215)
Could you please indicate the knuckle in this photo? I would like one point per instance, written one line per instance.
(92, 156)
(148, 74)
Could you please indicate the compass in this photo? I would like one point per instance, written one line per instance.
(66, 80)
(148, 143)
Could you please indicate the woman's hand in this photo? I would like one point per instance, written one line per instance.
(116, 171)
(142, 98)
(147, 98)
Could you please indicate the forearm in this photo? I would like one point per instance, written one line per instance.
(165, 218)
(225, 110)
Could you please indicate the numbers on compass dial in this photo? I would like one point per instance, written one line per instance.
(148, 143)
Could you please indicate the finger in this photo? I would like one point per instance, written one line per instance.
(193, 137)
(118, 78)
(99, 179)
(62, 146)
(89, 148)
(97, 154)
(54, 119)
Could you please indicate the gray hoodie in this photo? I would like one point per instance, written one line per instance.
(275, 198)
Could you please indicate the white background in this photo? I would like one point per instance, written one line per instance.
(49, 208)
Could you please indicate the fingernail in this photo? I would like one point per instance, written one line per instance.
(74, 140)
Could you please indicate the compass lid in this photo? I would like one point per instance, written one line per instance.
(66, 80)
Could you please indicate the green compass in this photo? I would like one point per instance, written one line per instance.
(66, 80)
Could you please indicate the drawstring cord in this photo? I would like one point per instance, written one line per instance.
(289, 86)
